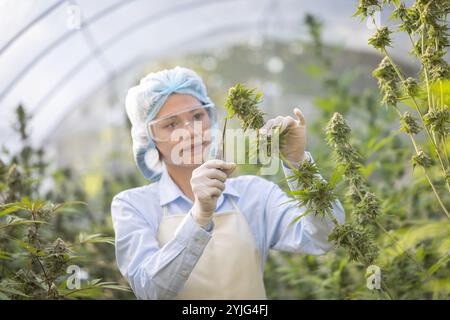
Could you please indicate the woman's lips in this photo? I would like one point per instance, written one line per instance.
(197, 146)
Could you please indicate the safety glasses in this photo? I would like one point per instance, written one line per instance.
(198, 117)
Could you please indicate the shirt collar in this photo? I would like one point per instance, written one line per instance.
(169, 190)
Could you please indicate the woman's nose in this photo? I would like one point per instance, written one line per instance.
(192, 128)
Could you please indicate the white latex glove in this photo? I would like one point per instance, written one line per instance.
(294, 142)
(208, 183)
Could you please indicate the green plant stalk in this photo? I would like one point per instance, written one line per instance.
(426, 129)
(361, 197)
(444, 145)
(78, 290)
(402, 79)
(336, 223)
(384, 287)
(425, 69)
(429, 180)
(428, 91)
(380, 226)
(395, 241)
(47, 279)
(413, 141)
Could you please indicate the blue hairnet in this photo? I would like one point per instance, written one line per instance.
(143, 103)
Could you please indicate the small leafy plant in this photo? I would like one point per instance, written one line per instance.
(34, 257)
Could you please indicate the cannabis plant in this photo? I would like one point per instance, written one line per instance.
(316, 194)
(35, 260)
(425, 24)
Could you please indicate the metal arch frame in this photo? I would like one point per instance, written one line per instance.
(126, 32)
(56, 43)
(147, 20)
(89, 22)
(120, 35)
(24, 29)
(209, 33)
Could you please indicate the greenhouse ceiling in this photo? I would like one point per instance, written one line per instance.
(55, 53)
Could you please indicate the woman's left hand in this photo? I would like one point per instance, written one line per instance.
(292, 145)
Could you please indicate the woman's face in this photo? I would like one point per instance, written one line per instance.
(189, 130)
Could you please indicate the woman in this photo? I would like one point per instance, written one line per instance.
(196, 233)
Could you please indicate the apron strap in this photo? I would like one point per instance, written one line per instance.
(164, 211)
(235, 205)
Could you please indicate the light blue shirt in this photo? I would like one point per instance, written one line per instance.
(155, 272)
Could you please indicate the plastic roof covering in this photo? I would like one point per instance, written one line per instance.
(51, 68)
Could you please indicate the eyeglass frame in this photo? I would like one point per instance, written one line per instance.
(207, 106)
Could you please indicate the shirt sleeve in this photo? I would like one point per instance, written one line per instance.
(308, 234)
(155, 272)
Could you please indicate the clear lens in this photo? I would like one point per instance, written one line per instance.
(198, 117)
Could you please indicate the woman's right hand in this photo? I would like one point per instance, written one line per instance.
(208, 183)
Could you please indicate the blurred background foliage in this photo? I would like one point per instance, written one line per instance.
(320, 79)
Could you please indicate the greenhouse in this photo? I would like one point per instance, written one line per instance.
(316, 157)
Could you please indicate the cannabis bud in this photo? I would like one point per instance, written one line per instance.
(366, 7)
(381, 38)
(368, 209)
(387, 81)
(439, 70)
(422, 159)
(438, 121)
(57, 256)
(356, 241)
(337, 130)
(406, 16)
(409, 124)
(356, 189)
(243, 102)
(305, 175)
(338, 137)
(318, 197)
(411, 86)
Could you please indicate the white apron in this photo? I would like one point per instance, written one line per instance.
(229, 267)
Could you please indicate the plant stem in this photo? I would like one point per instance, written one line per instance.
(379, 225)
(427, 176)
(78, 290)
(366, 264)
(431, 182)
(425, 69)
(386, 290)
(402, 79)
(433, 142)
(444, 146)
